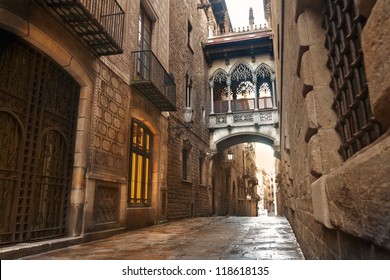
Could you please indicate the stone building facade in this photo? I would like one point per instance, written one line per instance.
(330, 59)
(99, 115)
(188, 193)
(114, 123)
(249, 193)
(121, 87)
(267, 188)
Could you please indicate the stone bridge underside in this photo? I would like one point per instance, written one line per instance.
(230, 129)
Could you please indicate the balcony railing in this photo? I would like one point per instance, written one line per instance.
(98, 23)
(242, 105)
(151, 80)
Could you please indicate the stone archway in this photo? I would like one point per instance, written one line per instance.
(68, 62)
(39, 93)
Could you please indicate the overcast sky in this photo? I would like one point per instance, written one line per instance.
(265, 157)
(239, 12)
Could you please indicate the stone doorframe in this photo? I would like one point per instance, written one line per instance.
(64, 58)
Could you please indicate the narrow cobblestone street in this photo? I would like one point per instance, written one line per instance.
(210, 238)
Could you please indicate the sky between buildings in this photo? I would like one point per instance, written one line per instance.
(265, 157)
(239, 12)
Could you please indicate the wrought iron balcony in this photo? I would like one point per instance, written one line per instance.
(98, 23)
(151, 80)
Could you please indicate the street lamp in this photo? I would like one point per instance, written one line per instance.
(187, 117)
(228, 163)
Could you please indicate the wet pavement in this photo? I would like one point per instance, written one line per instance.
(210, 238)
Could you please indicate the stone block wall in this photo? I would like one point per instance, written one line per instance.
(107, 104)
(109, 125)
(338, 209)
(115, 104)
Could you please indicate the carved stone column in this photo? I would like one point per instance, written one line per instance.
(212, 97)
(254, 80)
(228, 83)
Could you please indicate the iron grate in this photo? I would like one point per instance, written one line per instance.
(356, 124)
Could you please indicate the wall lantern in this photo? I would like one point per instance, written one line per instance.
(230, 155)
(187, 117)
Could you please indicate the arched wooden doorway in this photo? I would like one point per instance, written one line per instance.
(38, 113)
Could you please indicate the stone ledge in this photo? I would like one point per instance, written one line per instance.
(31, 248)
(320, 202)
(359, 194)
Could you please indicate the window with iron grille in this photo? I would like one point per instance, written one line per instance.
(356, 124)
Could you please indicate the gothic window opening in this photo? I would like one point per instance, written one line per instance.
(221, 91)
(243, 98)
(264, 90)
(140, 165)
(226, 92)
(242, 72)
(245, 90)
(264, 85)
(265, 97)
(356, 124)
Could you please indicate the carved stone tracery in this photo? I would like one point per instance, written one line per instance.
(242, 72)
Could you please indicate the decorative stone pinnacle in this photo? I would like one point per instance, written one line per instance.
(251, 18)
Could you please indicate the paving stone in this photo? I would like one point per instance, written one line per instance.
(208, 238)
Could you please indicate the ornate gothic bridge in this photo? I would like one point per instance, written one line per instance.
(243, 106)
